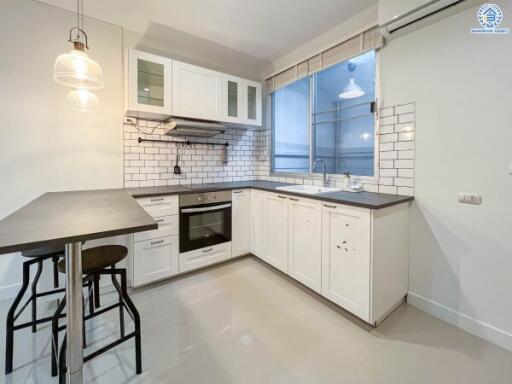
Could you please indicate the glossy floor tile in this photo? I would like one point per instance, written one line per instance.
(243, 322)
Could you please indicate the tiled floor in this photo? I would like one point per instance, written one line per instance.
(243, 322)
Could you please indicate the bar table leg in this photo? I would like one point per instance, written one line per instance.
(74, 313)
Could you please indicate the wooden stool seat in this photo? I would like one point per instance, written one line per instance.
(44, 251)
(98, 258)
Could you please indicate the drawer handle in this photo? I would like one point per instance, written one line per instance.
(207, 250)
(329, 206)
(157, 242)
(159, 220)
(159, 199)
(281, 197)
(293, 199)
(237, 191)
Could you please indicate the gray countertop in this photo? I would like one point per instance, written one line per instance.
(361, 199)
(57, 218)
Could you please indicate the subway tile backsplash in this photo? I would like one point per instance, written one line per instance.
(248, 155)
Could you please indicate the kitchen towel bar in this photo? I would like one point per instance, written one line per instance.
(187, 142)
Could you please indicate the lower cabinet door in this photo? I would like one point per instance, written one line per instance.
(346, 258)
(275, 231)
(199, 258)
(256, 222)
(155, 259)
(241, 223)
(305, 242)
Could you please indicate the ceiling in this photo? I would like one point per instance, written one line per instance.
(265, 29)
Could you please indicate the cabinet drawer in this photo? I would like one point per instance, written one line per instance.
(155, 259)
(159, 200)
(161, 210)
(203, 257)
(167, 226)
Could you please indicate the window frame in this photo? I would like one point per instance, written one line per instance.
(332, 176)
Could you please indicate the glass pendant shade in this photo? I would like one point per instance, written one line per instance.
(83, 100)
(76, 69)
(351, 91)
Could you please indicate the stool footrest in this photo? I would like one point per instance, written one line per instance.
(109, 346)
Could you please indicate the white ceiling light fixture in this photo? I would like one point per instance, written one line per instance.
(352, 90)
(83, 100)
(75, 68)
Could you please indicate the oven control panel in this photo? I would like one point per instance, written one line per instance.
(193, 199)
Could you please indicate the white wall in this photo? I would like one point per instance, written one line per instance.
(45, 146)
(460, 255)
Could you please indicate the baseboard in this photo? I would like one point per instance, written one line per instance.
(476, 327)
(9, 291)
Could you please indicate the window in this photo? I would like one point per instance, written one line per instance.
(290, 128)
(341, 125)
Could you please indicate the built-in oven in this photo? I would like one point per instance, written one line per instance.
(205, 220)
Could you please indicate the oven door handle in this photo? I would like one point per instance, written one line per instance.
(205, 209)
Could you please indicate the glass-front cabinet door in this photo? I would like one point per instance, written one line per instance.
(232, 99)
(252, 102)
(149, 85)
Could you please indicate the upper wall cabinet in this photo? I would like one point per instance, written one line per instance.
(241, 100)
(251, 102)
(148, 88)
(196, 92)
(158, 87)
(232, 99)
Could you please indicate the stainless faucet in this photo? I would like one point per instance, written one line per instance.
(325, 169)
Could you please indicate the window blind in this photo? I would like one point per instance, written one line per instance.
(366, 41)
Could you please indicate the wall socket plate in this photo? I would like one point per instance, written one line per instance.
(469, 198)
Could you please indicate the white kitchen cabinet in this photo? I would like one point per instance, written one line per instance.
(232, 99)
(241, 222)
(346, 258)
(275, 230)
(365, 258)
(257, 198)
(200, 258)
(305, 241)
(155, 259)
(148, 85)
(154, 254)
(196, 92)
(241, 101)
(252, 102)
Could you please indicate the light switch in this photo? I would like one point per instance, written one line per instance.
(470, 198)
(510, 169)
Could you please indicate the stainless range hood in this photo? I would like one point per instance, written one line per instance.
(195, 128)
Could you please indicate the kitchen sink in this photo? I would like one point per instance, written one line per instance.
(308, 189)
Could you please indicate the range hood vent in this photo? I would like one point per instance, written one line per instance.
(193, 128)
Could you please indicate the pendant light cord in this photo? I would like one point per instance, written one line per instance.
(79, 18)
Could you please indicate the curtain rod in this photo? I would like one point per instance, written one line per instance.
(188, 142)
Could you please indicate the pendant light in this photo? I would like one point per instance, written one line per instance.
(352, 90)
(75, 68)
(83, 100)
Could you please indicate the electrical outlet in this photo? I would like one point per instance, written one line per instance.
(470, 198)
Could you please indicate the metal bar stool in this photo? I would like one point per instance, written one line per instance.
(96, 262)
(36, 256)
